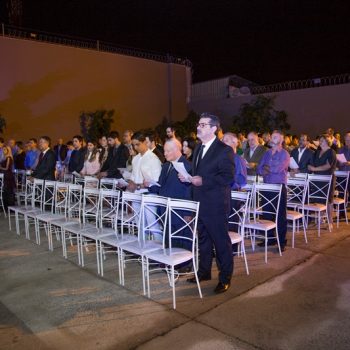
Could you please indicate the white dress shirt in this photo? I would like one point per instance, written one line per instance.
(207, 146)
(145, 167)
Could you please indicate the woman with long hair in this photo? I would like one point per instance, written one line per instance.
(92, 163)
(188, 146)
(9, 178)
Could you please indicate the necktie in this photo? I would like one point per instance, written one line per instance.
(200, 155)
(169, 170)
(41, 156)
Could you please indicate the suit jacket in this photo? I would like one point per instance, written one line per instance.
(159, 154)
(306, 159)
(217, 171)
(170, 185)
(255, 158)
(116, 158)
(77, 159)
(62, 152)
(45, 169)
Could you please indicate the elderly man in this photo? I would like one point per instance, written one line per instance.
(302, 155)
(213, 171)
(274, 169)
(240, 177)
(253, 153)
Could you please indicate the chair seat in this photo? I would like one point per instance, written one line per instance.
(261, 225)
(338, 201)
(170, 256)
(23, 209)
(294, 215)
(235, 237)
(141, 247)
(49, 216)
(315, 207)
(97, 233)
(116, 240)
(77, 228)
(64, 222)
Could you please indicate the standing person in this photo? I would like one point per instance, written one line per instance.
(46, 167)
(118, 156)
(274, 169)
(213, 171)
(77, 158)
(170, 132)
(92, 160)
(324, 163)
(32, 155)
(151, 144)
(60, 151)
(346, 151)
(302, 155)
(253, 153)
(240, 178)
(2, 144)
(20, 156)
(103, 149)
(188, 146)
(12, 144)
(9, 178)
(70, 149)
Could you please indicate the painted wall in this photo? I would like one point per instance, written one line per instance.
(309, 110)
(44, 87)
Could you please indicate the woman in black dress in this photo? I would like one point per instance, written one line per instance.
(9, 178)
(324, 163)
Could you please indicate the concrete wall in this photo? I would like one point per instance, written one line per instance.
(44, 87)
(309, 110)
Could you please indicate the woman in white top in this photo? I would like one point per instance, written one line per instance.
(92, 160)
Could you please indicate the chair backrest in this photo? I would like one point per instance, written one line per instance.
(49, 195)
(130, 211)
(301, 175)
(109, 205)
(251, 179)
(260, 179)
(74, 201)
(91, 205)
(87, 181)
(296, 191)
(341, 184)
(318, 188)
(108, 184)
(1, 181)
(153, 216)
(61, 198)
(186, 213)
(240, 204)
(268, 198)
(69, 178)
(38, 193)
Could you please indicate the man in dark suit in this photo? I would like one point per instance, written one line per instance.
(253, 153)
(45, 169)
(302, 155)
(118, 156)
(77, 158)
(151, 144)
(213, 173)
(60, 151)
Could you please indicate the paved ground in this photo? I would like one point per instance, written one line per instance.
(298, 301)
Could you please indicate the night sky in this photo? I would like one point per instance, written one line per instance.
(262, 40)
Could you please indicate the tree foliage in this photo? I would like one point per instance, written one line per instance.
(261, 116)
(95, 124)
(2, 124)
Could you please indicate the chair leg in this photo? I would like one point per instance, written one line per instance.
(98, 258)
(173, 285)
(148, 283)
(245, 257)
(293, 233)
(338, 214)
(319, 224)
(143, 274)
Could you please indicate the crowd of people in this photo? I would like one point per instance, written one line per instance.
(218, 163)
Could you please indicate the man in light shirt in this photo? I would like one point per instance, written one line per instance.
(253, 153)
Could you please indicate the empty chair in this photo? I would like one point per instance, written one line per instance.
(170, 255)
(108, 184)
(240, 202)
(340, 200)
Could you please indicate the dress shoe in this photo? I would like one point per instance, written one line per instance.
(200, 278)
(284, 246)
(270, 242)
(222, 287)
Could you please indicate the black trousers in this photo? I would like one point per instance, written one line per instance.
(213, 232)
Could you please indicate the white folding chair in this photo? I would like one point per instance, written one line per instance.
(318, 199)
(108, 184)
(172, 256)
(240, 202)
(296, 196)
(152, 220)
(268, 202)
(68, 178)
(87, 181)
(109, 205)
(251, 179)
(340, 200)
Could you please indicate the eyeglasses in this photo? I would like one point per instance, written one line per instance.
(202, 125)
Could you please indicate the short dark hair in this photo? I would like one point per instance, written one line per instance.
(33, 139)
(78, 137)
(151, 136)
(19, 144)
(69, 143)
(139, 136)
(114, 135)
(214, 120)
(170, 127)
(47, 139)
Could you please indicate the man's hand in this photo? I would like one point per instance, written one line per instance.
(146, 183)
(197, 180)
(311, 168)
(251, 165)
(131, 186)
